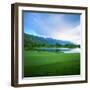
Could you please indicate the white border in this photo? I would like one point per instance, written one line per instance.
(54, 78)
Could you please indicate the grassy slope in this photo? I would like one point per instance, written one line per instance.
(50, 63)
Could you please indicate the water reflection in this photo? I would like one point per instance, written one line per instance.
(64, 50)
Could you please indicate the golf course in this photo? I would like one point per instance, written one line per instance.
(44, 63)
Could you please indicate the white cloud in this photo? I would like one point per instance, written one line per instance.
(73, 34)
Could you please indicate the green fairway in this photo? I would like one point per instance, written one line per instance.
(43, 63)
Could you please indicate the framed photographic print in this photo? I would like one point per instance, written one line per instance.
(49, 44)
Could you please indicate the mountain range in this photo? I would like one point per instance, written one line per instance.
(37, 40)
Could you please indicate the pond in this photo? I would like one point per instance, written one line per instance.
(64, 50)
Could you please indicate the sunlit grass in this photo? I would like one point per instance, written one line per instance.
(41, 63)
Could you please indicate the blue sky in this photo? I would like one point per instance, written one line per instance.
(56, 26)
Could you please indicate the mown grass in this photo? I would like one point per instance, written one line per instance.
(41, 63)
